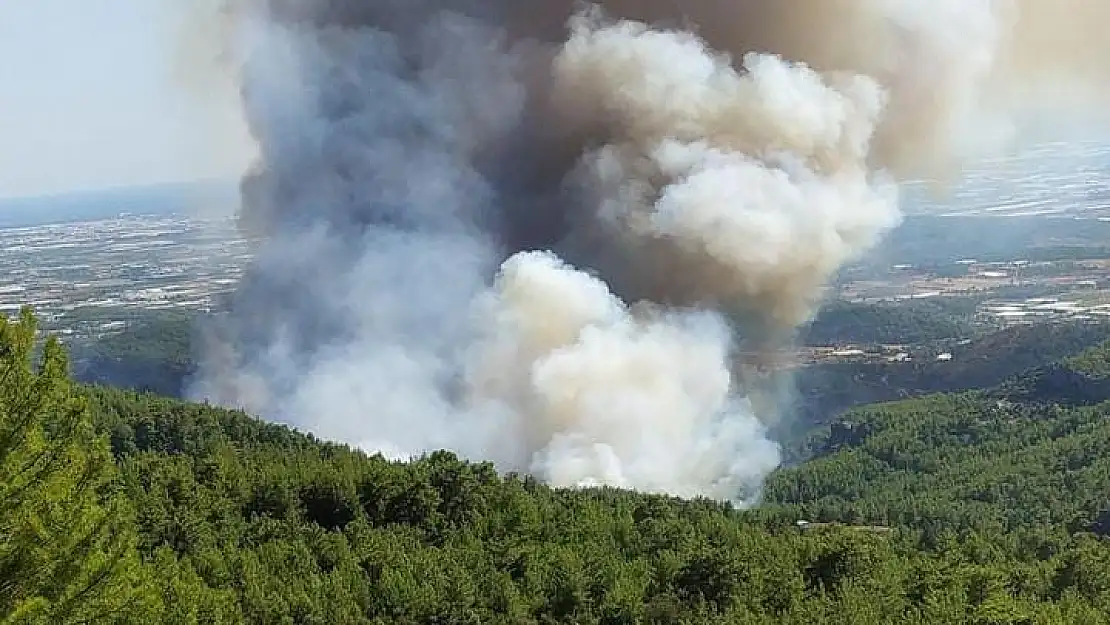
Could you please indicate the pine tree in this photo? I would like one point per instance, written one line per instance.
(67, 546)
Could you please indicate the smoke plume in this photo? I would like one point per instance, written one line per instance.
(540, 233)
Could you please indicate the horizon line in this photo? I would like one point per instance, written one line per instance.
(107, 189)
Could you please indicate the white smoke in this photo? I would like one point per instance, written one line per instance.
(595, 394)
(745, 187)
(424, 170)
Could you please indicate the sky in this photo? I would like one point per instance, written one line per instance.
(98, 93)
(106, 93)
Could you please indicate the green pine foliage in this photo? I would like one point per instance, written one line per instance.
(1093, 362)
(948, 509)
(67, 548)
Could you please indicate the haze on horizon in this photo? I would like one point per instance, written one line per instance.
(111, 94)
(94, 95)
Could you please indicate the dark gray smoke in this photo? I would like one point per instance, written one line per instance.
(429, 167)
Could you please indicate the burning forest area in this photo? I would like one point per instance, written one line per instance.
(614, 312)
(535, 235)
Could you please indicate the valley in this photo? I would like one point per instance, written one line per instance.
(942, 432)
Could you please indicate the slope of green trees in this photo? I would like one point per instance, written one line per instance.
(956, 462)
(287, 529)
(151, 510)
(1093, 362)
(153, 354)
(1079, 380)
(67, 546)
(913, 321)
(1018, 353)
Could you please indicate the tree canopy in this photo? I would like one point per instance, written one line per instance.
(68, 550)
(118, 506)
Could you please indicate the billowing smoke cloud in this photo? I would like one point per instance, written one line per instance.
(536, 233)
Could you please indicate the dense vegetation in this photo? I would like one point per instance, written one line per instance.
(67, 548)
(914, 321)
(824, 391)
(153, 354)
(125, 507)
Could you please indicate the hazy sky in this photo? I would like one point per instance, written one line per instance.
(92, 94)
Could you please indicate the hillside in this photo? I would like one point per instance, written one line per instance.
(154, 354)
(218, 518)
(1079, 380)
(914, 321)
(956, 463)
(823, 391)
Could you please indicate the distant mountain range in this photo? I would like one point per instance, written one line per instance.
(159, 199)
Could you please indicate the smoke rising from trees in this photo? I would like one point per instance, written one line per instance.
(535, 234)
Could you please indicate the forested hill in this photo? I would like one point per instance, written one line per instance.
(1021, 355)
(154, 354)
(125, 508)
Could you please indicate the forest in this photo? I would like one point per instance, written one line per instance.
(154, 353)
(903, 322)
(985, 507)
(991, 359)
